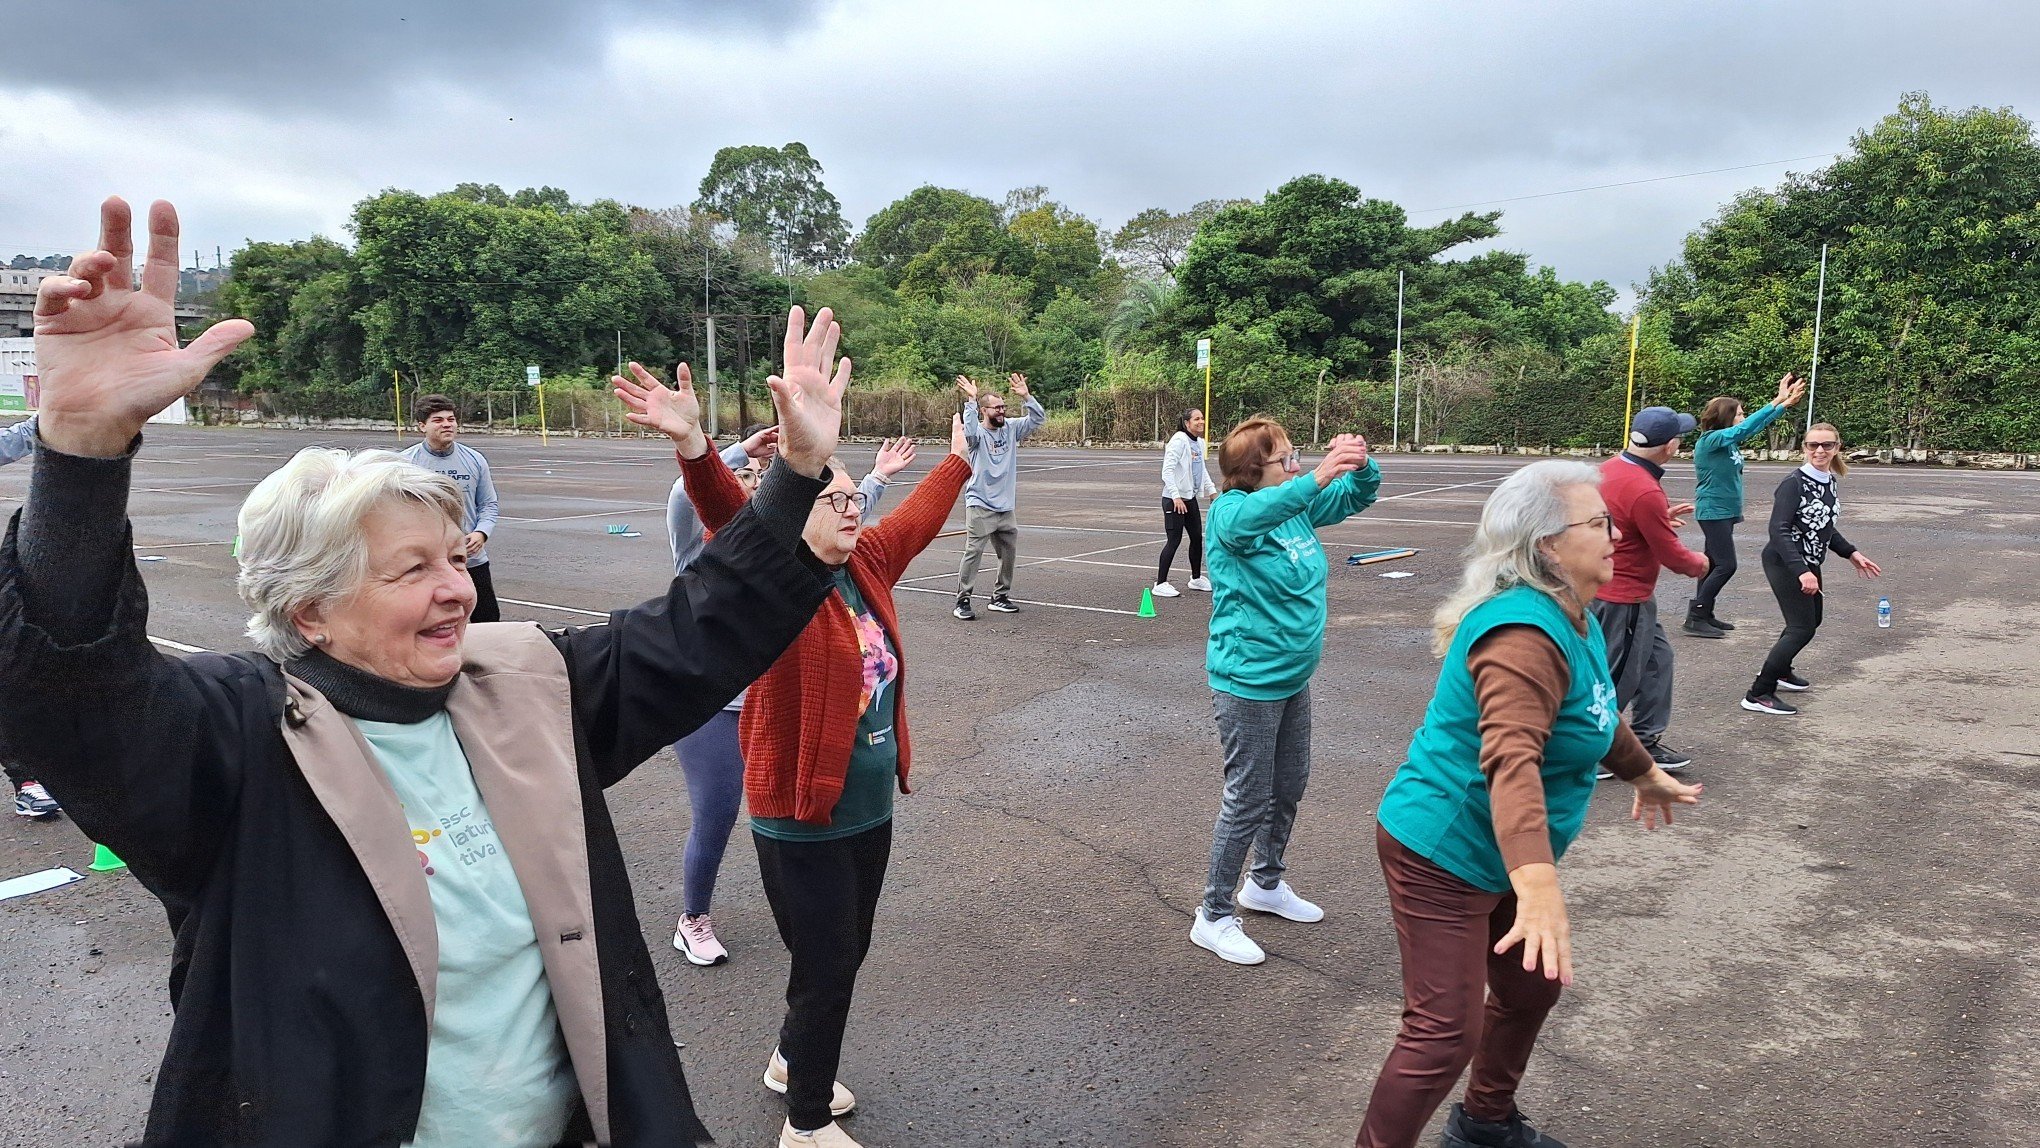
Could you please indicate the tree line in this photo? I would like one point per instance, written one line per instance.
(1931, 220)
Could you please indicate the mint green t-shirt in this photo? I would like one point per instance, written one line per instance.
(1268, 581)
(1437, 803)
(867, 798)
(496, 1070)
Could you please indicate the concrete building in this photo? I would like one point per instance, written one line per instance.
(17, 301)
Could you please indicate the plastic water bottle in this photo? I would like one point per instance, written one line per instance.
(1884, 613)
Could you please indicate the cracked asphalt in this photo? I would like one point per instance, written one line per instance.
(1832, 949)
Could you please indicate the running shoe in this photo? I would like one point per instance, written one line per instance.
(1463, 1131)
(32, 800)
(695, 938)
(1791, 681)
(1003, 604)
(1201, 584)
(841, 1100)
(1668, 759)
(1767, 704)
(830, 1135)
(963, 609)
(1164, 590)
(1281, 901)
(1226, 937)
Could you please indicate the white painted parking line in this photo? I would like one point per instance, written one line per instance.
(604, 614)
(572, 517)
(180, 647)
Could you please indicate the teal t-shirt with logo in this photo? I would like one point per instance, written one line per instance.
(1718, 465)
(1437, 803)
(867, 799)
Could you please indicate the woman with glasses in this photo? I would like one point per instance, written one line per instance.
(1494, 788)
(1267, 633)
(1803, 516)
(1718, 492)
(709, 757)
(825, 742)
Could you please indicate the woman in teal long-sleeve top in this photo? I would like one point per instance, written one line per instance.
(1718, 491)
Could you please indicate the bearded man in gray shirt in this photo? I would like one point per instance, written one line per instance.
(994, 489)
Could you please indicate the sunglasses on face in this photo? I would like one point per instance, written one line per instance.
(841, 501)
(1603, 521)
(1822, 445)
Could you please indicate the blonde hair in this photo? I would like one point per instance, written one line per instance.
(1527, 508)
(1838, 464)
(302, 537)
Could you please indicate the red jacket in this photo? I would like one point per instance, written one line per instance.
(801, 717)
(1638, 505)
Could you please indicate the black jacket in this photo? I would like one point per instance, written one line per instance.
(301, 1014)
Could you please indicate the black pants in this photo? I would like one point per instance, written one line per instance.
(1802, 618)
(486, 609)
(1191, 521)
(15, 774)
(1720, 534)
(823, 895)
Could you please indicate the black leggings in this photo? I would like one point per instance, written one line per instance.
(486, 609)
(1190, 520)
(1720, 533)
(1802, 618)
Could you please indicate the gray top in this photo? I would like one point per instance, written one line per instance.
(994, 466)
(470, 471)
(18, 441)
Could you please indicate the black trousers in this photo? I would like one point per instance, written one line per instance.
(1191, 521)
(486, 609)
(1720, 535)
(1802, 618)
(15, 774)
(824, 895)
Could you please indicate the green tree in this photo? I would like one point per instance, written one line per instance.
(778, 195)
(910, 226)
(263, 283)
(1155, 241)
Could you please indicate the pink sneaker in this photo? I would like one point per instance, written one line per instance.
(695, 937)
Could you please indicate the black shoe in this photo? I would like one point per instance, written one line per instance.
(1791, 681)
(1767, 704)
(32, 800)
(1668, 759)
(1700, 623)
(1003, 604)
(963, 609)
(1718, 623)
(1463, 1131)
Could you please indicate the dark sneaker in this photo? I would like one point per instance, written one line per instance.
(1463, 1131)
(1701, 628)
(1791, 681)
(32, 800)
(963, 610)
(1003, 604)
(1719, 624)
(1668, 759)
(1767, 704)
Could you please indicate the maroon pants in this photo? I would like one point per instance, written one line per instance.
(1447, 931)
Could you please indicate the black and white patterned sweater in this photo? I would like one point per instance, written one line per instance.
(1803, 517)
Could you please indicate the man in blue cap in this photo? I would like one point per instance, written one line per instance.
(1639, 654)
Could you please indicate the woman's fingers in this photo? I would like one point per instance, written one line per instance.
(644, 378)
(117, 239)
(159, 274)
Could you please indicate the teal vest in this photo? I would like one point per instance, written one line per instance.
(1437, 804)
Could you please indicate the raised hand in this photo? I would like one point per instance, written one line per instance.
(107, 352)
(959, 443)
(1791, 389)
(675, 413)
(969, 388)
(1344, 456)
(1017, 382)
(762, 445)
(1352, 442)
(809, 392)
(894, 456)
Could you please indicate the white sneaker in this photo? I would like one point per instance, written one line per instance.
(1281, 901)
(1227, 938)
(1164, 590)
(830, 1135)
(841, 1100)
(1200, 584)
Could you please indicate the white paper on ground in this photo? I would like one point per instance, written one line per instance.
(37, 882)
(1398, 574)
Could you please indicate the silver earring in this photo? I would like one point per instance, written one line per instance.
(319, 639)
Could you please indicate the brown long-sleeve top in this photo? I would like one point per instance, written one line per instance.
(1519, 680)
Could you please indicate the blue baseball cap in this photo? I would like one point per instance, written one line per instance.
(1656, 426)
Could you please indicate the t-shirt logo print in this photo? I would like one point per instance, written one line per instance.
(1603, 708)
(1298, 548)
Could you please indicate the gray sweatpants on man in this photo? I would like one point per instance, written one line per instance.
(1640, 661)
(999, 528)
(1267, 766)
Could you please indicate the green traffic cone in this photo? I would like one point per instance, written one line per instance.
(1147, 602)
(103, 860)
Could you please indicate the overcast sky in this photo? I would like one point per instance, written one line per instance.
(269, 119)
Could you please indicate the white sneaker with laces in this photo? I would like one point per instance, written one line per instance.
(1164, 590)
(830, 1135)
(1281, 901)
(1227, 938)
(841, 1101)
(695, 938)
(1200, 584)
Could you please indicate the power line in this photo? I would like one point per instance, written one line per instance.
(1625, 183)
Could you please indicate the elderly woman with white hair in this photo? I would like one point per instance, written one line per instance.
(401, 914)
(1494, 789)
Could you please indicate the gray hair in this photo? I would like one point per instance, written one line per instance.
(1527, 508)
(302, 537)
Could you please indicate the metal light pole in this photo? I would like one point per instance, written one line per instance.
(1819, 299)
(1395, 431)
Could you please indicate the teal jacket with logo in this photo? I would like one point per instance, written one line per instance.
(1268, 581)
(1718, 465)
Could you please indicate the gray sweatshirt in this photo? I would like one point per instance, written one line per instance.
(470, 471)
(994, 462)
(18, 441)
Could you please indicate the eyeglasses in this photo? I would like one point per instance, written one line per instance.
(748, 475)
(841, 501)
(1604, 521)
(1821, 445)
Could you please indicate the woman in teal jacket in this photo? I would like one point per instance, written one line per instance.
(1267, 630)
(1718, 491)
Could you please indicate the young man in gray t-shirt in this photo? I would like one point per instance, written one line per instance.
(439, 421)
(994, 488)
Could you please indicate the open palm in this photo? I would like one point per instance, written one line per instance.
(808, 392)
(108, 353)
(675, 413)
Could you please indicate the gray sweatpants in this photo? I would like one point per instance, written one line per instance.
(1640, 661)
(997, 527)
(1267, 766)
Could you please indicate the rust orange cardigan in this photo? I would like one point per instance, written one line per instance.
(801, 717)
